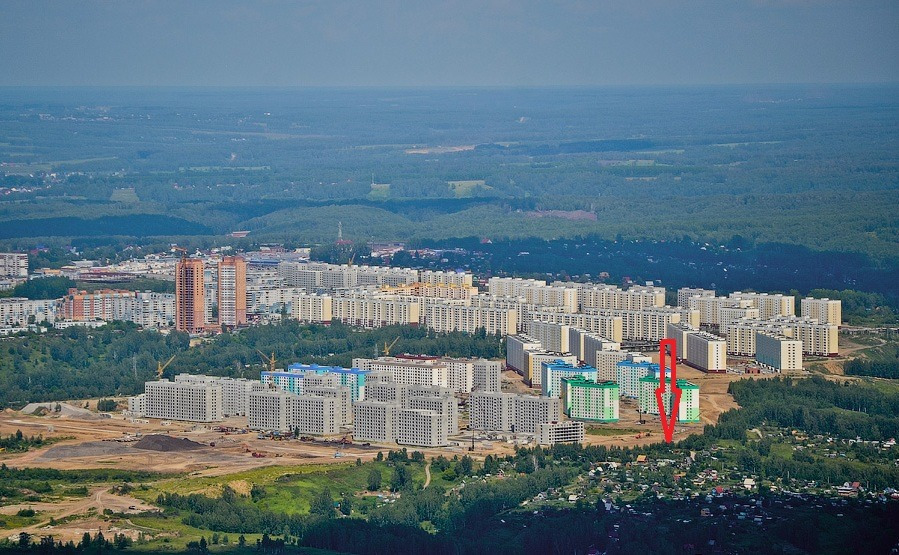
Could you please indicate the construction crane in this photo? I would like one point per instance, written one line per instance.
(160, 367)
(388, 347)
(269, 360)
(352, 259)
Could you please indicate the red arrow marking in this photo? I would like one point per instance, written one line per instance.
(668, 421)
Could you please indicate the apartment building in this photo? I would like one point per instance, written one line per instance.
(469, 319)
(516, 347)
(825, 311)
(769, 305)
(487, 375)
(684, 294)
(268, 410)
(551, 433)
(190, 296)
(604, 325)
(375, 421)
(688, 408)
(607, 363)
(407, 371)
(552, 373)
(610, 297)
(420, 427)
(189, 398)
(531, 411)
(440, 277)
(359, 309)
(589, 400)
(341, 395)
(492, 411)
(14, 265)
(236, 394)
(232, 291)
(533, 374)
(778, 351)
(19, 311)
(707, 352)
(630, 373)
(584, 345)
(315, 414)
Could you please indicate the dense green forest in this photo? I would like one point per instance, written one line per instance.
(102, 166)
(880, 362)
(118, 358)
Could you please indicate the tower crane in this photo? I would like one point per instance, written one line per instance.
(388, 347)
(269, 360)
(160, 367)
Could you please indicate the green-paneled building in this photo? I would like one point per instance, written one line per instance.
(584, 399)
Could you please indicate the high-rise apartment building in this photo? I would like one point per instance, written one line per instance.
(232, 291)
(190, 310)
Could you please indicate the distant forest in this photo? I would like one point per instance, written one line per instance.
(808, 167)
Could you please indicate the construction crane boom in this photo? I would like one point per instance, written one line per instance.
(160, 367)
(388, 347)
(270, 360)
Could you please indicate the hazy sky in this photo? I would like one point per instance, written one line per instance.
(450, 42)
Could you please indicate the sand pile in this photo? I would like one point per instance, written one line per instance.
(167, 444)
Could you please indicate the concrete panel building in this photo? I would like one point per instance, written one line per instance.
(688, 409)
(552, 372)
(487, 375)
(778, 351)
(589, 400)
(375, 421)
(232, 291)
(825, 311)
(551, 433)
(420, 427)
(492, 411)
(707, 352)
(516, 346)
(188, 398)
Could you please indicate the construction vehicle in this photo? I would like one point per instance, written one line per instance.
(388, 347)
(160, 367)
(269, 360)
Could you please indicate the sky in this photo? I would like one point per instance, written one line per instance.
(424, 43)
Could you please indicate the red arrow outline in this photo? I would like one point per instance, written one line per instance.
(668, 421)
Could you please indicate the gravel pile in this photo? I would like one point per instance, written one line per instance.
(167, 444)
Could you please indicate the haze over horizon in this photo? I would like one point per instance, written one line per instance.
(456, 43)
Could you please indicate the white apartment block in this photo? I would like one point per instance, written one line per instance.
(629, 374)
(149, 309)
(531, 411)
(314, 414)
(511, 287)
(584, 345)
(679, 331)
(19, 311)
(650, 324)
(817, 339)
(568, 431)
(825, 311)
(769, 305)
(374, 312)
(340, 394)
(445, 408)
(236, 394)
(468, 319)
(189, 398)
(608, 326)
(533, 365)
(553, 337)
(516, 347)
(610, 297)
(684, 294)
(387, 392)
(707, 352)
(407, 371)
(487, 375)
(420, 427)
(137, 405)
(319, 276)
(778, 351)
(14, 264)
(459, 374)
(375, 421)
(729, 314)
(439, 277)
(267, 410)
(491, 411)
